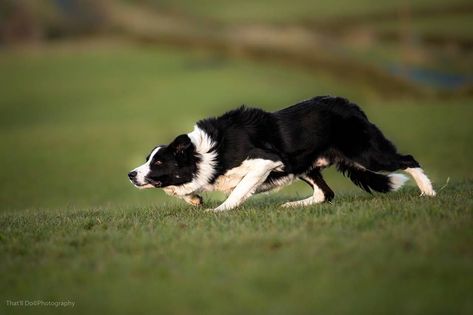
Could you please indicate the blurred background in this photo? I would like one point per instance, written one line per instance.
(88, 87)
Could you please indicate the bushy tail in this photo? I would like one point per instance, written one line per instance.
(368, 180)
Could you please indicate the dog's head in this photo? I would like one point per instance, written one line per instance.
(167, 165)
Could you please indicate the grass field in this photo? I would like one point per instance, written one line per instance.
(362, 255)
(74, 122)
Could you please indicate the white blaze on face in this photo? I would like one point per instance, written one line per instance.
(143, 170)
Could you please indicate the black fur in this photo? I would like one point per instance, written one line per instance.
(316, 176)
(173, 164)
(241, 134)
(322, 127)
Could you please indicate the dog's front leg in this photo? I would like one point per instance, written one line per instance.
(247, 186)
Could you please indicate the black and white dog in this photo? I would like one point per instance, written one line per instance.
(248, 150)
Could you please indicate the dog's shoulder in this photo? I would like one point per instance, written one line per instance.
(236, 120)
(241, 134)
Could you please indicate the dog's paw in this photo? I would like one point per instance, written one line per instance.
(292, 204)
(428, 193)
(303, 203)
(217, 210)
(194, 200)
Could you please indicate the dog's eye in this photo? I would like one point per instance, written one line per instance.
(158, 163)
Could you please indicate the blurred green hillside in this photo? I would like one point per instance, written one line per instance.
(417, 47)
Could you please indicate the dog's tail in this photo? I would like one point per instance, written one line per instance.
(368, 180)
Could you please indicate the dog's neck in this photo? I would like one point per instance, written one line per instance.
(205, 150)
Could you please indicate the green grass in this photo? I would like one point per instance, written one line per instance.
(388, 254)
(74, 121)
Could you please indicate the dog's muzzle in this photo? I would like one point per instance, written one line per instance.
(146, 184)
(133, 180)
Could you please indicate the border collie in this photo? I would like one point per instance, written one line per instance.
(248, 150)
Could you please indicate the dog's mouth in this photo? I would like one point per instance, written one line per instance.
(154, 183)
(147, 184)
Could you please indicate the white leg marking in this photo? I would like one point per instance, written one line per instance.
(422, 181)
(397, 181)
(250, 182)
(317, 197)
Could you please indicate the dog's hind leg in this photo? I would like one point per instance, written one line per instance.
(408, 164)
(382, 156)
(322, 191)
(315, 176)
(422, 181)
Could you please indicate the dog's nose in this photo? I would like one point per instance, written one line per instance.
(132, 175)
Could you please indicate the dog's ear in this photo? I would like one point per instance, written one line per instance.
(181, 144)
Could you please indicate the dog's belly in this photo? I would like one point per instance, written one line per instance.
(228, 181)
(276, 183)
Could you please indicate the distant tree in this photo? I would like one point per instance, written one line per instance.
(26, 20)
(17, 22)
(81, 16)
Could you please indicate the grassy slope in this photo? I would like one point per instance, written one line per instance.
(362, 255)
(72, 124)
